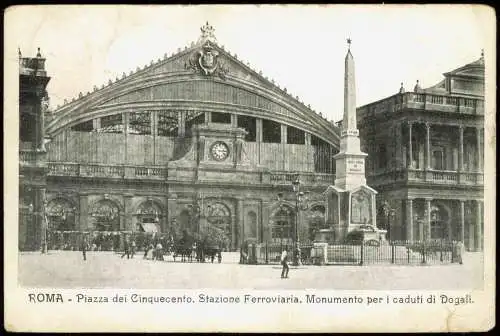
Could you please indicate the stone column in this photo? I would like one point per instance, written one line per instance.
(128, 214)
(96, 123)
(479, 150)
(461, 148)
(240, 215)
(154, 132)
(234, 120)
(208, 117)
(41, 125)
(427, 146)
(478, 232)
(462, 221)
(471, 230)
(284, 129)
(410, 145)
(181, 123)
(266, 213)
(125, 134)
(171, 209)
(409, 219)
(399, 150)
(427, 225)
(258, 135)
(284, 161)
(84, 213)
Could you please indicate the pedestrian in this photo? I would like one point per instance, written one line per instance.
(132, 248)
(284, 263)
(459, 249)
(219, 256)
(84, 248)
(159, 252)
(126, 249)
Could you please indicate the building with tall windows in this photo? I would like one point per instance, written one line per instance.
(425, 158)
(193, 139)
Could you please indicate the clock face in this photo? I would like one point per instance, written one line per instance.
(219, 151)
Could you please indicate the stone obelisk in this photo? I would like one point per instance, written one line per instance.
(350, 161)
(350, 202)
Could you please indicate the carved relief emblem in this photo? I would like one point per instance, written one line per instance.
(207, 61)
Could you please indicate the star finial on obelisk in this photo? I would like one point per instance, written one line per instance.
(349, 41)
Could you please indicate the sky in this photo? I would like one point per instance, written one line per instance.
(301, 47)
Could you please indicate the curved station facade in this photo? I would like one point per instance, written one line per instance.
(197, 138)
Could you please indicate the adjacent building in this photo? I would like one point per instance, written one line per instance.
(426, 157)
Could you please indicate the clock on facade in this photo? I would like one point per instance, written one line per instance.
(219, 151)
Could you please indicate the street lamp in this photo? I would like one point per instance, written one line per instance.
(388, 213)
(301, 199)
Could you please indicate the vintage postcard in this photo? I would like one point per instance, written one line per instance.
(250, 168)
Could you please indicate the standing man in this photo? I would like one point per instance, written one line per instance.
(126, 249)
(84, 247)
(284, 263)
(132, 248)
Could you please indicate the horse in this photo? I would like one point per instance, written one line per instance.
(185, 251)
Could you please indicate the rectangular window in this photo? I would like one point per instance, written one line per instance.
(167, 123)
(271, 131)
(223, 118)
(139, 123)
(250, 125)
(111, 124)
(86, 126)
(295, 136)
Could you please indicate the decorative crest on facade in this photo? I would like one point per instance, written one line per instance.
(206, 60)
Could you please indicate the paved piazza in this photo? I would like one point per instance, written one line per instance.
(107, 270)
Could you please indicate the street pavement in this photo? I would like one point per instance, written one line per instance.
(67, 269)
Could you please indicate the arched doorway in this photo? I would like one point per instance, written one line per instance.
(106, 216)
(61, 215)
(148, 217)
(219, 216)
(316, 222)
(282, 225)
(61, 218)
(439, 226)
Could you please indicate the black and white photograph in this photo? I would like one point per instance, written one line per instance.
(277, 168)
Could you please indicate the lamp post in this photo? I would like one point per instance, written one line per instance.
(388, 213)
(300, 204)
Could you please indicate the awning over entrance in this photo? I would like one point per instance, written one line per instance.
(149, 227)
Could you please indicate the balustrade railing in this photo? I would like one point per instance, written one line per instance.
(426, 101)
(27, 157)
(306, 177)
(428, 176)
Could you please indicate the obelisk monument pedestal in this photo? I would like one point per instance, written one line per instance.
(350, 202)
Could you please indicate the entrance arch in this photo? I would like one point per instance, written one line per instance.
(61, 215)
(219, 216)
(282, 225)
(148, 217)
(105, 216)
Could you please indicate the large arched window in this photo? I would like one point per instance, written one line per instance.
(60, 215)
(106, 216)
(282, 225)
(219, 215)
(148, 217)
